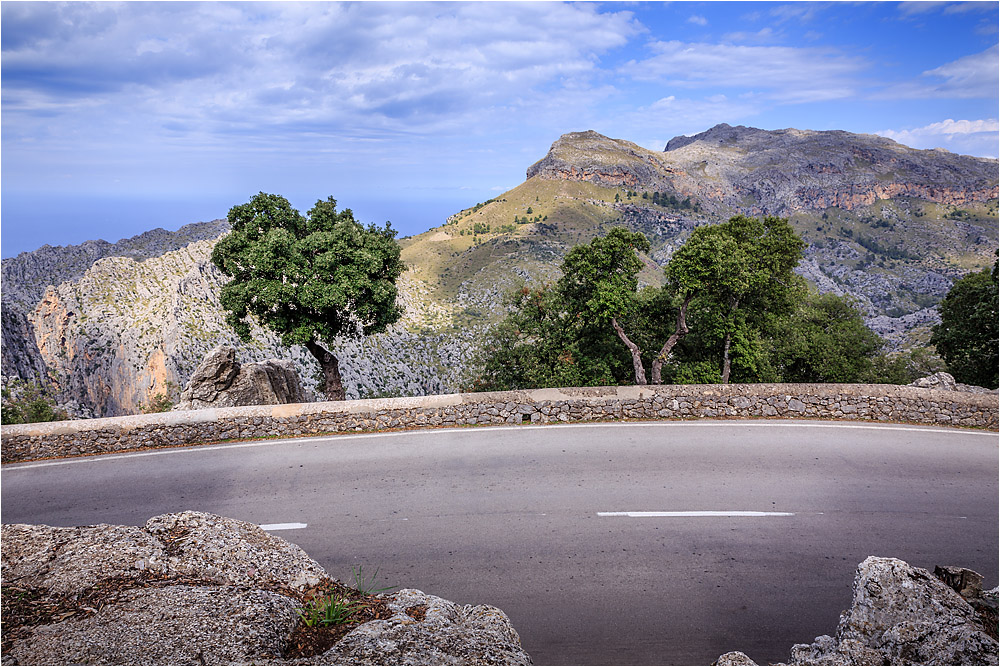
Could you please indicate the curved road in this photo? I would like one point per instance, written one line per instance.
(535, 520)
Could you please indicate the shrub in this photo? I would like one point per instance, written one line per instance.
(28, 403)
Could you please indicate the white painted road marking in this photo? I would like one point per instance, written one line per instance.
(282, 526)
(639, 515)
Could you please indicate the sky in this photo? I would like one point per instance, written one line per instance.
(116, 118)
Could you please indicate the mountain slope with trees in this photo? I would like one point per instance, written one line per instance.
(889, 226)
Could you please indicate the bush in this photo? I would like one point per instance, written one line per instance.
(163, 401)
(28, 403)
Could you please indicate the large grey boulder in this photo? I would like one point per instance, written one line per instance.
(428, 630)
(902, 615)
(946, 382)
(221, 382)
(196, 588)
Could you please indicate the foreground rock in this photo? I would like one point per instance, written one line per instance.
(903, 615)
(195, 588)
(221, 382)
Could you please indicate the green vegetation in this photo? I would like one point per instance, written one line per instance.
(162, 401)
(967, 337)
(308, 278)
(671, 201)
(28, 403)
(731, 309)
(328, 610)
(366, 584)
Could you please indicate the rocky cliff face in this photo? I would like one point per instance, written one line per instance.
(124, 330)
(27, 277)
(775, 172)
(890, 225)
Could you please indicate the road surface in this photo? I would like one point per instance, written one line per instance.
(630, 543)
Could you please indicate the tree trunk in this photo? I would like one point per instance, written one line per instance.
(733, 305)
(675, 337)
(333, 388)
(725, 359)
(640, 372)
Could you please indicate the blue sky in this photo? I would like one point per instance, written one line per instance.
(118, 118)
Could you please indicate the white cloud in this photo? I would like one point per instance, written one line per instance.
(762, 35)
(323, 68)
(698, 20)
(973, 76)
(973, 137)
(789, 74)
(923, 7)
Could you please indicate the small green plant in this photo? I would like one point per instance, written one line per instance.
(328, 610)
(161, 402)
(366, 584)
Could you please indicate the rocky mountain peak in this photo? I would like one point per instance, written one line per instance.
(774, 172)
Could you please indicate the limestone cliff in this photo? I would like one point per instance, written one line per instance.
(127, 330)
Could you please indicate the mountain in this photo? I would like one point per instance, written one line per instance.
(110, 325)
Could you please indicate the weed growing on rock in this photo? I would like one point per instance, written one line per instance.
(328, 610)
(366, 584)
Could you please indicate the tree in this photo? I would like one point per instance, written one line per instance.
(310, 278)
(599, 283)
(540, 345)
(966, 338)
(754, 277)
(825, 340)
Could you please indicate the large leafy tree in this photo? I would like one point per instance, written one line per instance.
(540, 344)
(967, 337)
(310, 278)
(731, 308)
(599, 284)
(754, 280)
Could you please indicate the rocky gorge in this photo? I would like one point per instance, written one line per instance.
(109, 328)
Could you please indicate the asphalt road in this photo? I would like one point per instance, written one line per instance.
(518, 517)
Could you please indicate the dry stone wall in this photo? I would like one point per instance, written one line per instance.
(877, 403)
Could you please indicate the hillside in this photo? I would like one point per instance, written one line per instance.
(110, 325)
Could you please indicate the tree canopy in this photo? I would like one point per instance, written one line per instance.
(967, 337)
(309, 278)
(730, 308)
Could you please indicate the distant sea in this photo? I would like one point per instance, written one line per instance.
(28, 222)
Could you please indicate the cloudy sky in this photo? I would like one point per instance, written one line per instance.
(117, 118)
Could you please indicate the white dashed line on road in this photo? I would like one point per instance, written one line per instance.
(642, 515)
(282, 526)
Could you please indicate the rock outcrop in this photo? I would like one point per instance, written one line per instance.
(221, 382)
(196, 588)
(946, 382)
(903, 615)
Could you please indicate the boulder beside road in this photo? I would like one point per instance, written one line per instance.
(904, 615)
(196, 588)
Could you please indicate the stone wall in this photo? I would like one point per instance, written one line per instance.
(880, 403)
